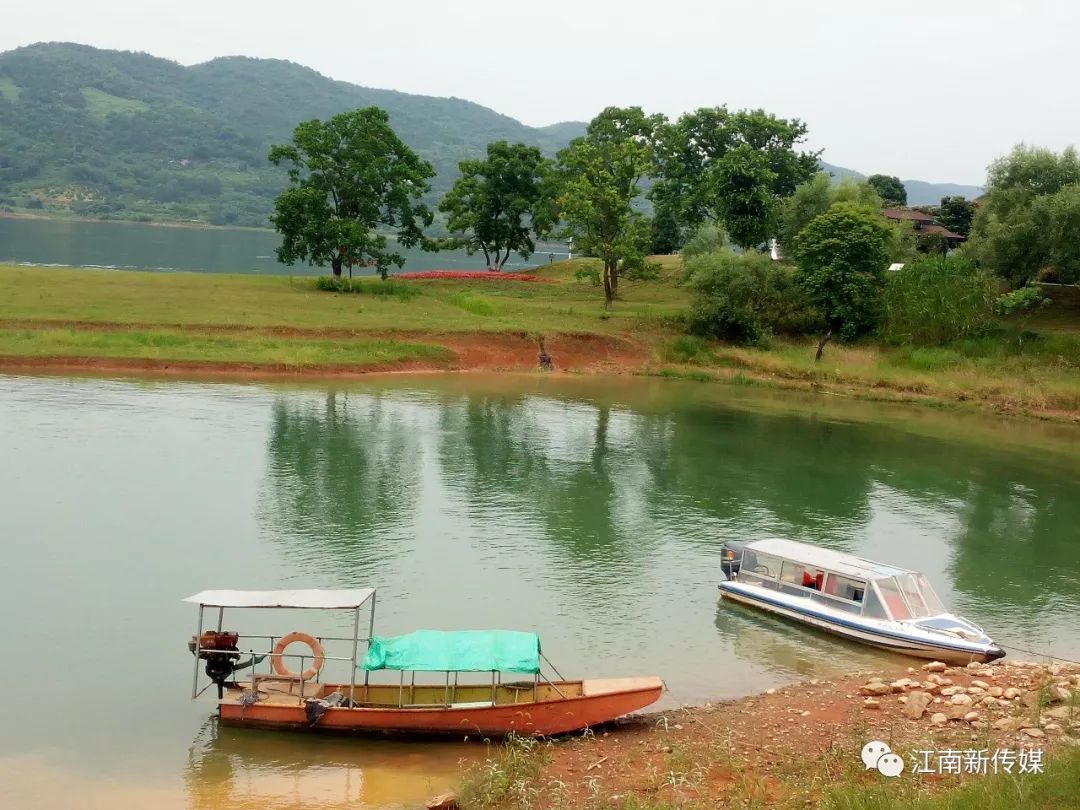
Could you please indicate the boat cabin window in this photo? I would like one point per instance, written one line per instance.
(872, 606)
(760, 566)
(793, 573)
(845, 587)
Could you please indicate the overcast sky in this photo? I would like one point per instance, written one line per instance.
(930, 91)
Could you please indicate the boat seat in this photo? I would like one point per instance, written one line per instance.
(475, 704)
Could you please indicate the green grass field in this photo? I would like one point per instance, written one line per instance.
(282, 320)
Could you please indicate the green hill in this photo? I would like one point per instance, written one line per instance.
(128, 135)
(125, 135)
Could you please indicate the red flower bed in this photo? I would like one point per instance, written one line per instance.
(485, 275)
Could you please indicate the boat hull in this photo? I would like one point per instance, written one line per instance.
(894, 642)
(600, 701)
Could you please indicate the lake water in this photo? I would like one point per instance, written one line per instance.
(591, 510)
(125, 245)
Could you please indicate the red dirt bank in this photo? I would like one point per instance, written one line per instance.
(788, 745)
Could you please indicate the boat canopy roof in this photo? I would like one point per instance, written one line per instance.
(456, 651)
(350, 598)
(846, 564)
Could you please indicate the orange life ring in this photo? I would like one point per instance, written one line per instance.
(303, 638)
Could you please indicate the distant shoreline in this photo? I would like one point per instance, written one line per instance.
(22, 215)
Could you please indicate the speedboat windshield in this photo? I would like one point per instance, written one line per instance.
(909, 596)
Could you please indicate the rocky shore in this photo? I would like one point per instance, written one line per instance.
(794, 745)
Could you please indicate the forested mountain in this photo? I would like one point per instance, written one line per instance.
(919, 192)
(128, 135)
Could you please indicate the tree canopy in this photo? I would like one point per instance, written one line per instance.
(890, 189)
(733, 168)
(956, 214)
(1028, 224)
(597, 179)
(815, 197)
(843, 255)
(347, 177)
(494, 206)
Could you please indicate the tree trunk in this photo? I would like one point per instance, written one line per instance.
(615, 281)
(609, 290)
(335, 263)
(821, 345)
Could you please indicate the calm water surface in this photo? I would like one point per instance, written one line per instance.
(125, 245)
(589, 510)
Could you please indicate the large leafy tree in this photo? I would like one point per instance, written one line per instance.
(598, 178)
(1028, 224)
(349, 177)
(813, 198)
(733, 168)
(842, 256)
(890, 189)
(495, 206)
(956, 214)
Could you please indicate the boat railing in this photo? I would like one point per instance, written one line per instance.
(305, 690)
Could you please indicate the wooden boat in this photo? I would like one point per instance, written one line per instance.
(881, 605)
(287, 699)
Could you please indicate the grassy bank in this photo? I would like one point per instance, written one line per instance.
(801, 746)
(56, 315)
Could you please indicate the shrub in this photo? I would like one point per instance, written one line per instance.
(386, 289)
(707, 238)
(938, 299)
(744, 298)
(476, 304)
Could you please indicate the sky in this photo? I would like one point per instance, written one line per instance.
(928, 91)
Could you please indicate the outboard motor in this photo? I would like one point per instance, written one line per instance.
(219, 651)
(731, 557)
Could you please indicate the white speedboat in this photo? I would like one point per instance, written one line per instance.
(865, 601)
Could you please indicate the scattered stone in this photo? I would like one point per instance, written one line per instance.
(995, 691)
(975, 665)
(938, 700)
(981, 684)
(1012, 693)
(1052, 728)
(871, 703)
(666, 749)
(938, 719)
(1006, 724)
(971, 717)
(1033, 732)
(1061, 712)
(444, 801)
(935, 666)
(952, 671)
(875, 688)
(961, 700)
(989, 701)
(1058, 694)
(770, 691)
(949, 691)
(804, 714)
(916, 703)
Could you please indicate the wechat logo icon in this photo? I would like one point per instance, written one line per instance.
(876, 754)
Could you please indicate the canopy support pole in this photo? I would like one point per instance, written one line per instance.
(559, 674)
(198, 649)
(352, 670)
(370, 635)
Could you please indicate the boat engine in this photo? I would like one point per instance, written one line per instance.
(731, 557)
(218, 649)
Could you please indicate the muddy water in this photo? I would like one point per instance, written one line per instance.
(590, 510)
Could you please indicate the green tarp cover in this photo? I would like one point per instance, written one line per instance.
(456, 651)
